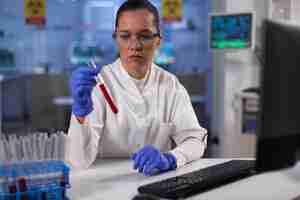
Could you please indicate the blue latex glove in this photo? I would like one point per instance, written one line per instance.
(81, 83)
(151, 161)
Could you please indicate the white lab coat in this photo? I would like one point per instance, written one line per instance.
(161, 115)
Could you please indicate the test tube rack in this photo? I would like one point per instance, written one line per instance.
(34, 180)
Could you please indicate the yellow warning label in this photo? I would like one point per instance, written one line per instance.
(172, 10)
(35, 11)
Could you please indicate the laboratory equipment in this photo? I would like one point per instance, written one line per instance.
(231, 30)
(278, 121)
(38, 180)
(198, 181)
(104, 90)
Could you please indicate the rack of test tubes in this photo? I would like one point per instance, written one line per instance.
(34, 180)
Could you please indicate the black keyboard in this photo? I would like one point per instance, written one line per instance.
(199, 181)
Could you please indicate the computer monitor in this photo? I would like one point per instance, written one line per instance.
(231, 31)
(278, 139)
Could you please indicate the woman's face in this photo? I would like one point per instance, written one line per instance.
(137, 39)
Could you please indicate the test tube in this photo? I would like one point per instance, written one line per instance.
(12, 190)
(23, 188)
(104, 92)
(63, 186)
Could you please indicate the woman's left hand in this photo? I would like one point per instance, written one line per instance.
(151, 161)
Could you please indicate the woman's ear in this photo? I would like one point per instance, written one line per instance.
(158, 39)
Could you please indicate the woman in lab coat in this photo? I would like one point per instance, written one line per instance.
(155, 124)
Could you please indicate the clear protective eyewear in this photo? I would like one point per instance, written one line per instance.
(142, 38)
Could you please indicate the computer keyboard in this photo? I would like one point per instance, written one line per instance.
(200, 180)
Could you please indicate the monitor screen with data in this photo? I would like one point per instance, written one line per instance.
(231, 31)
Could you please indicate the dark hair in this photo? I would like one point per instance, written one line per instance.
(131, 5)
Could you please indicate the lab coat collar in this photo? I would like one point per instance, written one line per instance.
(127, 81)
(150, 83)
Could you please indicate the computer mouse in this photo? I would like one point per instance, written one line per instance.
(144, 197)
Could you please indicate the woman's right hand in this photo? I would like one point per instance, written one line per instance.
(81, 84)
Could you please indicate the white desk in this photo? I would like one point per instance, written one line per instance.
(116, 180)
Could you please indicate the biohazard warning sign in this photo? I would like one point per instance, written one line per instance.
(35, 11)
(172, 10)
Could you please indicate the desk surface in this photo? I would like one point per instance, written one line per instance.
(115, 179)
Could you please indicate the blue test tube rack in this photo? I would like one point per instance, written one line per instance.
(34, 180)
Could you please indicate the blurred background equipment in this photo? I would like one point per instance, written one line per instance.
(29, 103)
(232, 30)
